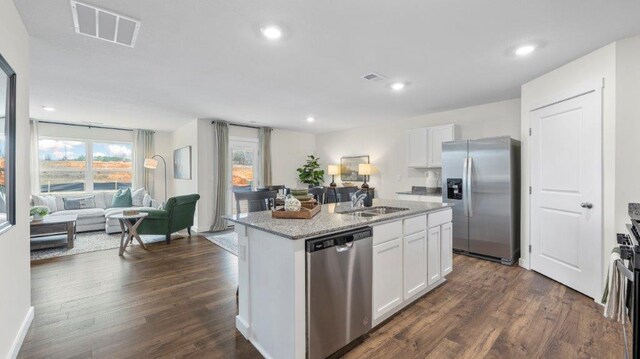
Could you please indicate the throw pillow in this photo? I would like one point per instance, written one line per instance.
(146, 200)
(122, 198)
(79, 203)
(46, 201)
(137, 197)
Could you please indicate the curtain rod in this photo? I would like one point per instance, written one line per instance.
(239, 125)
(88, 126)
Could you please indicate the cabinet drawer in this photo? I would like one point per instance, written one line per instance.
(439, 218)
(415, 225)
(386, 232)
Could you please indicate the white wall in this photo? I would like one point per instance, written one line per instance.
(289, 150)
(186, 135)
(83, 133)
(627, 128)
(15, 275)
(386, 144)
(590, 68)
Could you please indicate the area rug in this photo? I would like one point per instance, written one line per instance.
(227, 241)
(90, 242)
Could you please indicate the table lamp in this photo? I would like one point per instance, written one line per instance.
(333, 170)
(364, 169)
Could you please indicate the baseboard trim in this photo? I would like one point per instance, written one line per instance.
(523, 263)
(24, 328)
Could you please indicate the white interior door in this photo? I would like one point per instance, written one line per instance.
(566, 200)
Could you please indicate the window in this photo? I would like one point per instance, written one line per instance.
(71, 165)
(112, 165)
(243, 155)
(63, 165)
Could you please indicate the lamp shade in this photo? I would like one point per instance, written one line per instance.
(364, 169)
(150, 163)
(333, 170)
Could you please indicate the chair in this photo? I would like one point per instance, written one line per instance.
(177, 214)
(256, 200)
(317, 193)
(279, 188)
(342, 194)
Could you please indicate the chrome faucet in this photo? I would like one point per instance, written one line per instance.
(357, 200)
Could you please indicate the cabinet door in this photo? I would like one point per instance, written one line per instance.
(415, 263)
(437, 136)
(387, 277)
(433, 250)
(417, 144)
(446, 232)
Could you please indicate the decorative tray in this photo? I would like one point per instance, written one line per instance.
(305, 212)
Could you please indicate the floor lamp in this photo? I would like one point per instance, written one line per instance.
(152, 164)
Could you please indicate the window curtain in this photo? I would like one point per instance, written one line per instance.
(34, 165)
(221, 173)
(264, 141)
(143, 148)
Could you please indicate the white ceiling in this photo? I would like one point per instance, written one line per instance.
(206, 58)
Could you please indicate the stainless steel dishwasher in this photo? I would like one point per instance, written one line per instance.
(338, 290)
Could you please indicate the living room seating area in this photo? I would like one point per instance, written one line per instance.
(95, 209)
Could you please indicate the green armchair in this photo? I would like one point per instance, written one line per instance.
(177, 214)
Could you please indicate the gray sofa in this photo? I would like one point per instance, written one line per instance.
(91, 219)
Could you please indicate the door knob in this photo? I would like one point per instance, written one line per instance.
(586, 205)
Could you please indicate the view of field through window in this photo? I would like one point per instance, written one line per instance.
(65, 164)
(242, 167)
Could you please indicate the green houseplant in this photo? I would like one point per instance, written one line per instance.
(310, 173)
(38, 212)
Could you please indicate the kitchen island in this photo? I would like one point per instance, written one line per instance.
(410, 255)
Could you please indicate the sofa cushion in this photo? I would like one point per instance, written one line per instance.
(122, 198)
(48, 201)
(146, 200)
(108, 198)
(82, 213)
(137, 196)
(79, 203)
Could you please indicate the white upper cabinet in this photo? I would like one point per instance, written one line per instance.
(418, 148)
(425, 145)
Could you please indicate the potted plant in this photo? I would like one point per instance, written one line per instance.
(38, 212)
(310, 173)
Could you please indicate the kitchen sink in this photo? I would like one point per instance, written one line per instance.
(384, 210)
(373, 211)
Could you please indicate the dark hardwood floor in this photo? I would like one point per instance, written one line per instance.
(178, 300)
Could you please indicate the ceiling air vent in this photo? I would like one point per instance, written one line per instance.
(374, 77)
(104, 25)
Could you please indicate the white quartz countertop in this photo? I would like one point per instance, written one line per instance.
(330, 220)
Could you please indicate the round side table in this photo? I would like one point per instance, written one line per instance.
(130, 230)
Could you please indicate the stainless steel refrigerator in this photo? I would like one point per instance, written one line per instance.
(481, 179)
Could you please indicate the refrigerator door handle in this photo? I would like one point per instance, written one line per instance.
(469, 186)
(464, 186)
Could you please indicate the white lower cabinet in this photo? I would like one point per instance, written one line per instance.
(409, 259)
(387, 276)
(446, 234)
(433, 248)
(415, 263)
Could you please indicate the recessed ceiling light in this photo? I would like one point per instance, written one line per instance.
(397, 86)
(310, 119)
(525, 50)
(48, 108)
(271, 32)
